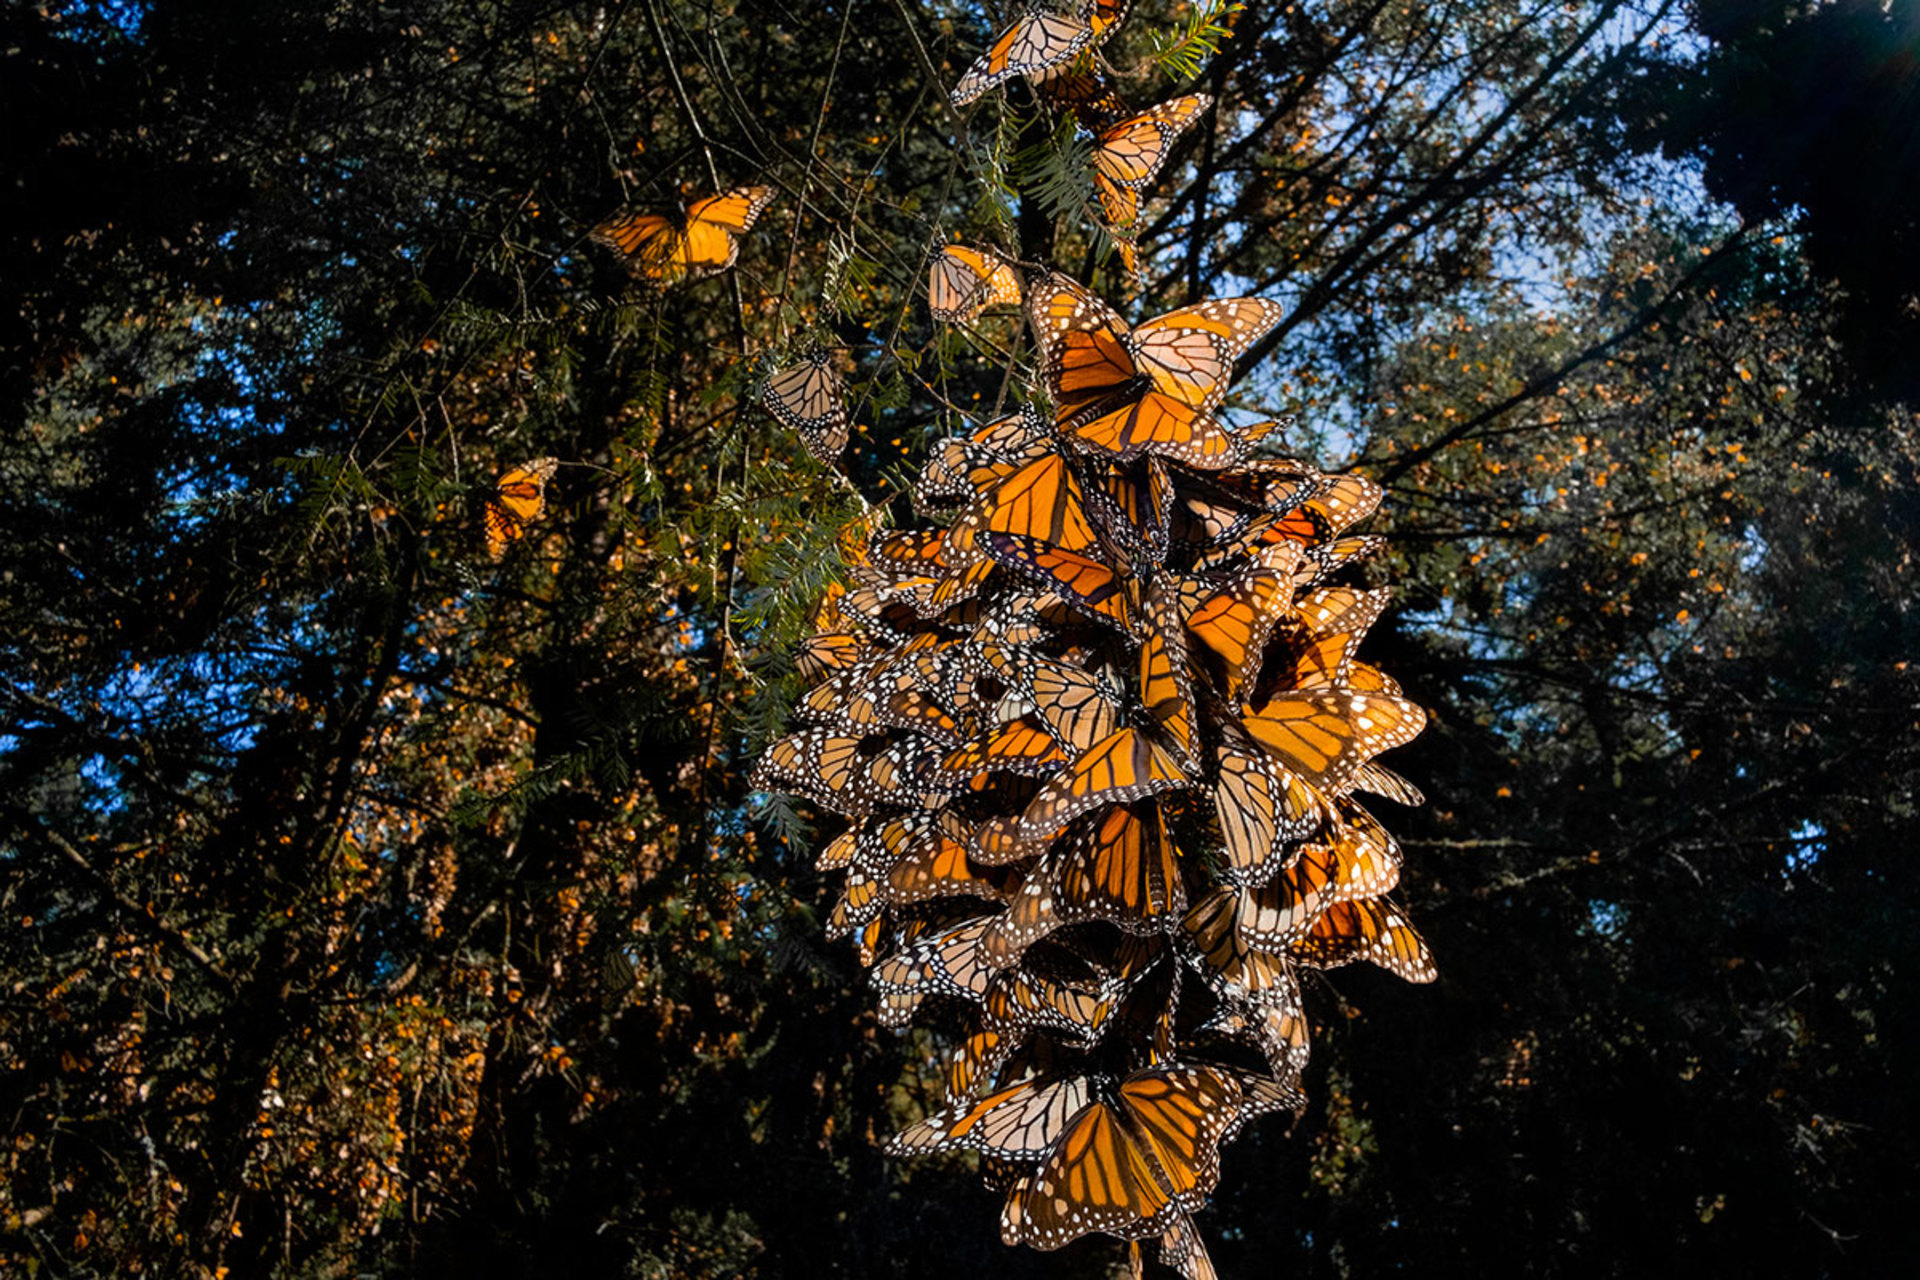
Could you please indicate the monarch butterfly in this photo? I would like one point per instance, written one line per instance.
(1036, 44)
(1278, 1026)
(1325, 610)
(700, 242)
(965, 281)
(1236, 621)
(1315, 662)
(1121, 868)
(950, 671)
(1329, 558)
(1166, 691)
(1092, 356)
(925, 863)
(959, 471)
(838, 852)
(1027, 619)
(978, 1060)
(1262, 807)
(1134, 1157)
(1079, 706)
(1132, 503)
(947, 963)
(1350, 864)
(1327, 735)
(918, 710)
(1182, 1249)
(1034, 996)
(1092, 586)
(1124, 766)
(826, 766)
(860, 902)
(1232, 965)
(519, 498)
(1203, 519)
(1162, 424)
(1023, 746)
(962, 468)
(1129, 154)
(830, 651)
(1086, 94)
(809, 398)
(1044, 501)
(850, 699)
(1382, 781)
(1370, 929)
(1020, 1122)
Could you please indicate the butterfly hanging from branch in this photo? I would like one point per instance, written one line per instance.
(810, 397)
(1039, 44)
(518, 499)
(701, 240)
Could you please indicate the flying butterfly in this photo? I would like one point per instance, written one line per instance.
(699, 242)
(1037, 44)
(965, 281)
(810, 398)
(1129, 154)
(519, 498)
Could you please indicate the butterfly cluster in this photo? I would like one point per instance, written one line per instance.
(1094, 733)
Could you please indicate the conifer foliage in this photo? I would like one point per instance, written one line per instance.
(1092, 728)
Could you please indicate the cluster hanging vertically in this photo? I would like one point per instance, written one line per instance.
(1096, 732)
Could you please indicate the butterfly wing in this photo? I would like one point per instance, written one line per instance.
(1020, 1122)
(1124, 766)
(1033, 46)
(1043, 501)
(1131, 152)
(1079, 706)
(1371, 929)
(1327, 735)
(637, 237)
(1093, 586)
(1163, 425)
(519, 498)
(809, 398)
(1262, 807)
(965, 281)
(734, 210)
(1083, 346)
(1097, 1177)
(1189, 353)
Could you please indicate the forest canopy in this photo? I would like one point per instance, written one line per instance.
(387, 892)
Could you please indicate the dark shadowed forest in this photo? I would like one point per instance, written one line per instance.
(401, 577)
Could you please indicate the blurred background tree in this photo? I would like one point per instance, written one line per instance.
(373, 908)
